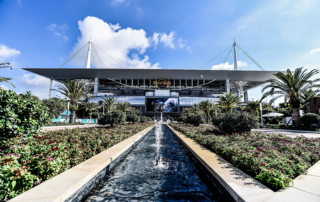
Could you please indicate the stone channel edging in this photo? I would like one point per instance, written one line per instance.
(75, 183)
(243, 187)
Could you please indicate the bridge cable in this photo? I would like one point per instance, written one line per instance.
(225, 59)
(215, 57)
(250, 58)
(73, 55)
(99, 57)
(110, 56)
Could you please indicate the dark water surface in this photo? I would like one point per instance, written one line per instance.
(137, 177)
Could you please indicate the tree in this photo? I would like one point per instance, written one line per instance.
(133, 118)
(4, 79)
(186, 111)
(109, 103)
(56, 105)
(124, 106)
(206, 106)
(75, 91)
(228, 101)
(91, 106)
(254, 107)
(134, 110)
(112, 118)
(290, 86)
(21, 114)
(195, 109)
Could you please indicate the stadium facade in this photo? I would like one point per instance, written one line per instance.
(161, 90)
(136, 85)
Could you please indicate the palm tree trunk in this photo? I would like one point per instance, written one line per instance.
(253, 112)
(73, 116)
(295, 117)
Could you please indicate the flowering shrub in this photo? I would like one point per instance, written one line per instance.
(112, 118)
(235, 123)
(195, 119)
(143, 119)
(133, 118)
(274, 160)
(25, 163)
(21, 114)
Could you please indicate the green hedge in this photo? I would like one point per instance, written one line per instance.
(309, 119)
(235, 123)
(21, 114)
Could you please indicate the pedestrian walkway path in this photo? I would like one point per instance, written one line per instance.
(53, 128)
(290, 133)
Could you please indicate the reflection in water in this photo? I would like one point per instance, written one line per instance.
(139, 177)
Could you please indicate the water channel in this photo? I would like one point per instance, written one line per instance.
(157, 169)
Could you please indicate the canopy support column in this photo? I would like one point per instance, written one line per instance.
(228, 86)
(96, 86)
(51, 80)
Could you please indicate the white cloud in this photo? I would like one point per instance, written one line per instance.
(155, 39)
(6, 52)
(227, 66)
(122, 44)
(59, 30)
(168, 39)
(181, 44)
(315, 50)
(4, 87)
(38, 85)
(115, 27)
(120, 1)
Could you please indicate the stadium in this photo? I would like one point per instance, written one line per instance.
(162, 90)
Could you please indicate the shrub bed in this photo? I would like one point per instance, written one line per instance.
(235, 122)
(289, 127)
(27, 162)
(274, 160)
(62, 124)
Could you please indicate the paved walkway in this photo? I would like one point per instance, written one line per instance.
(52, 128)
(290, 133)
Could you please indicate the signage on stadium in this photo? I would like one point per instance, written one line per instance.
(162, 83)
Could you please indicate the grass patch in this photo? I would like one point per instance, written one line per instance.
(25, 163)
(274, 160)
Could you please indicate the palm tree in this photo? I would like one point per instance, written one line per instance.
(254, 107)
(290, 85)
(4, 79)
(110, 103)
(134, 110)
(75, 91)
(228, 101)
(124, 106)
(206, 106)
(91, 106)
(186, 111)
(195, 109)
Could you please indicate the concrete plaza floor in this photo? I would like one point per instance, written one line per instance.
(290, 133)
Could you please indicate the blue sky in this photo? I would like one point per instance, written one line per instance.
(180, 34)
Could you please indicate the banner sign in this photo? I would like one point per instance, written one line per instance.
(162, 83)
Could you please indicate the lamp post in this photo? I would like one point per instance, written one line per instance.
(261, 113)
